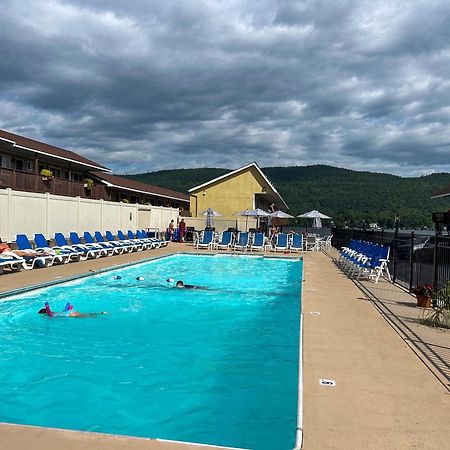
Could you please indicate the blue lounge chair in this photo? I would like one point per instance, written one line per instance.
(97, 248)
(131, 247)
(85, 253)
(242, 241)
(123, 248)
(155, 239)
(112, 250)
(146, 244)
(225, 241)
(258, 242)
(136, 245)
(154, 242)
(282, 243)
(296, 243)
(34, 261)
(70, 255)
(207, 240)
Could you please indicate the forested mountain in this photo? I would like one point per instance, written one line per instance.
(349, 196)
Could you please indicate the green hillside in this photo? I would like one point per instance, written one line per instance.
(349, 196)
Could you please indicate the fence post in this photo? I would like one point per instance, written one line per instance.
(47, 214)
(435, 266)
(9, 213)
(394, 272)
(411, 261)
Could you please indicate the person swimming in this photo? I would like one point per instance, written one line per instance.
(180, 284)
(68, 311)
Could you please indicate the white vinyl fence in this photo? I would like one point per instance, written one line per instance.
(29, 213)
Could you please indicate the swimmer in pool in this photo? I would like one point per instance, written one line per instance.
(180, 284)
(68, 311)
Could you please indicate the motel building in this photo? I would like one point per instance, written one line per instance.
(32, 166)
(241, 189)
(47, 189)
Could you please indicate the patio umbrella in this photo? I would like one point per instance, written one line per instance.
(210, 213)
(316, 216)
(281, 215)
(252, 213)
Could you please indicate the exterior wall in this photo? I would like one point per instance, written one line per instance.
(29, 213)
(230, 195)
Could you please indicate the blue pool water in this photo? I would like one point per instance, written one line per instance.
(214, 366)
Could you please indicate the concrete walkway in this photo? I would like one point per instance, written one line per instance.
(385, 397)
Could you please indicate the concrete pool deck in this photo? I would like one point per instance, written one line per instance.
(385, 396)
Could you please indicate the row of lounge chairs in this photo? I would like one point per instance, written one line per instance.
(74, 248)
(249, 241)
(362, 259)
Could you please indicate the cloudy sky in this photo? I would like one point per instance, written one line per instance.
(142, 85)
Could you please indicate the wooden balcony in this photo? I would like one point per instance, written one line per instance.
(31, 182)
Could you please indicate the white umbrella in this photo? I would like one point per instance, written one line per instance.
(281, 215)
(210, 213)
(316, 216)
(252, 213)
(258, 213)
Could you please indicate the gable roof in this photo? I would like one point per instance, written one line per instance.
(442, 192)
(137, 186)
(25, 143)
(241, 169)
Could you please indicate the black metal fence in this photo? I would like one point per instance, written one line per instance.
(415, 258)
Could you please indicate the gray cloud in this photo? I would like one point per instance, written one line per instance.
(147, 85)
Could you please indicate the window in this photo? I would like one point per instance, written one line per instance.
(77, 176)
(56, 172)
(5, 161)
(134, 199)
(19, 164)
(66, 175)
(30, 166)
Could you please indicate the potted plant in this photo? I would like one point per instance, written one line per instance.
(46, 174)
(424, 294)
(88, 183)
(125, 200)
(440, 314)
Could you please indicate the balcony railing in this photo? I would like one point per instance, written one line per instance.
(31, 182)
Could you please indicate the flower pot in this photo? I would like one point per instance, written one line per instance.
(423, 301)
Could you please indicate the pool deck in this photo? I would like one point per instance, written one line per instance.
(392, 374)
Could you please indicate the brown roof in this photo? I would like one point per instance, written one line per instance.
(126, 183)
(442, 192)
(50, 149)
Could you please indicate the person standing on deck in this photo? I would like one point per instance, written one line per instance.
(182, 229)
(171, 229)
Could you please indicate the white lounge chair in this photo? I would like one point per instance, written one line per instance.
(296, 244)
(282, 243)
(242, 241)
(225, 241)
(258, 242)
(206, 240)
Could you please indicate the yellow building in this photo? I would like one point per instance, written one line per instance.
(241, 189)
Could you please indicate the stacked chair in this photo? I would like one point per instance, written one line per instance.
(362, 259)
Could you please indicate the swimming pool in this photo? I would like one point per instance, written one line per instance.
(216, 366)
